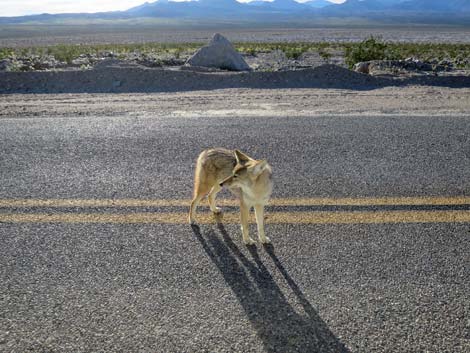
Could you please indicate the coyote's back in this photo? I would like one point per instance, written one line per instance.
(212, 166)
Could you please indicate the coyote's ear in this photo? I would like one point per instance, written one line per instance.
(241, 157)
(258, 168)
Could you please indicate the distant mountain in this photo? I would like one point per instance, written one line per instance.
(358, 7)
(288, 5)
(221, 9)
(389, 2)
(393, 8)
(435, 5)
(256, 3)
(318, 4)
(424, 6)
(191, 9)
(259, 12)
(291, 5)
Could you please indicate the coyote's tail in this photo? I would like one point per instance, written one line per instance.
(198, 175)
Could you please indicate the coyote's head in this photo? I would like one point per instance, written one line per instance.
(245, 172)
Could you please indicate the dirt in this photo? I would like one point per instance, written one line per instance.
(126, 77)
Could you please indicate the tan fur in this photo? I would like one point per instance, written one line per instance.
(246, 177)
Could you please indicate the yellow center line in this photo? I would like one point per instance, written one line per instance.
(314, 217)
(382, 201)
(233, 217)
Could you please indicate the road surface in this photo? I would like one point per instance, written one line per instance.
(370, 224)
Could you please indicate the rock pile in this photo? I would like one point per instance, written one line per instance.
(31, 63)
(375, 67)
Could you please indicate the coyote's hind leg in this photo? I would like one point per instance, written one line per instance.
(212, 194)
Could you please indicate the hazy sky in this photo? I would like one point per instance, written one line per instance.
(28, 7)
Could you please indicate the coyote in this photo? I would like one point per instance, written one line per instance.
(247, 178)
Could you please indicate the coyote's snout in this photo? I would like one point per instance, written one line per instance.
(246, 177)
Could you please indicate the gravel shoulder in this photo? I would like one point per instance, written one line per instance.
(412, 100)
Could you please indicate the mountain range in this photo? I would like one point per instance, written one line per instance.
(387, 11)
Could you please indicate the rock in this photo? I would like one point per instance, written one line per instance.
(275, 60)
(413, 64)
(43, 64)
(5, 64)
(172, 62)
(198, 69)
(106, 64)
(408, 65)
(445, 65)
(148, 60)
(219, 53)
(81, 61)
(362, 67)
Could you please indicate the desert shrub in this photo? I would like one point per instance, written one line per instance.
(293, 50)
(325, 55)
(250, 51)
(64, 52)
(370, 49)
(293, 53)
(6, 53)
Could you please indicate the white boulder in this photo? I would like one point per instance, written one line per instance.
(219, 53)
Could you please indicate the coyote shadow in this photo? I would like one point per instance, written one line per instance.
(276, 322)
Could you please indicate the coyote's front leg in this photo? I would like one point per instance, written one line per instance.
(259, 212)
(244, 218)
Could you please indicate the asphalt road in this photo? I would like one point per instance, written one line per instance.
(155, 287)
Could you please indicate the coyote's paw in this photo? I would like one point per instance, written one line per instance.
(248, 241)
(265, 240)
(216, 210)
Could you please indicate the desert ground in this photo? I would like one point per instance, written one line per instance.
(31, 35)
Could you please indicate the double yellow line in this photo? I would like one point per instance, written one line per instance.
(382, 201)
(299, 217)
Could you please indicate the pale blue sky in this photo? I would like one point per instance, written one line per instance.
(27, 7)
